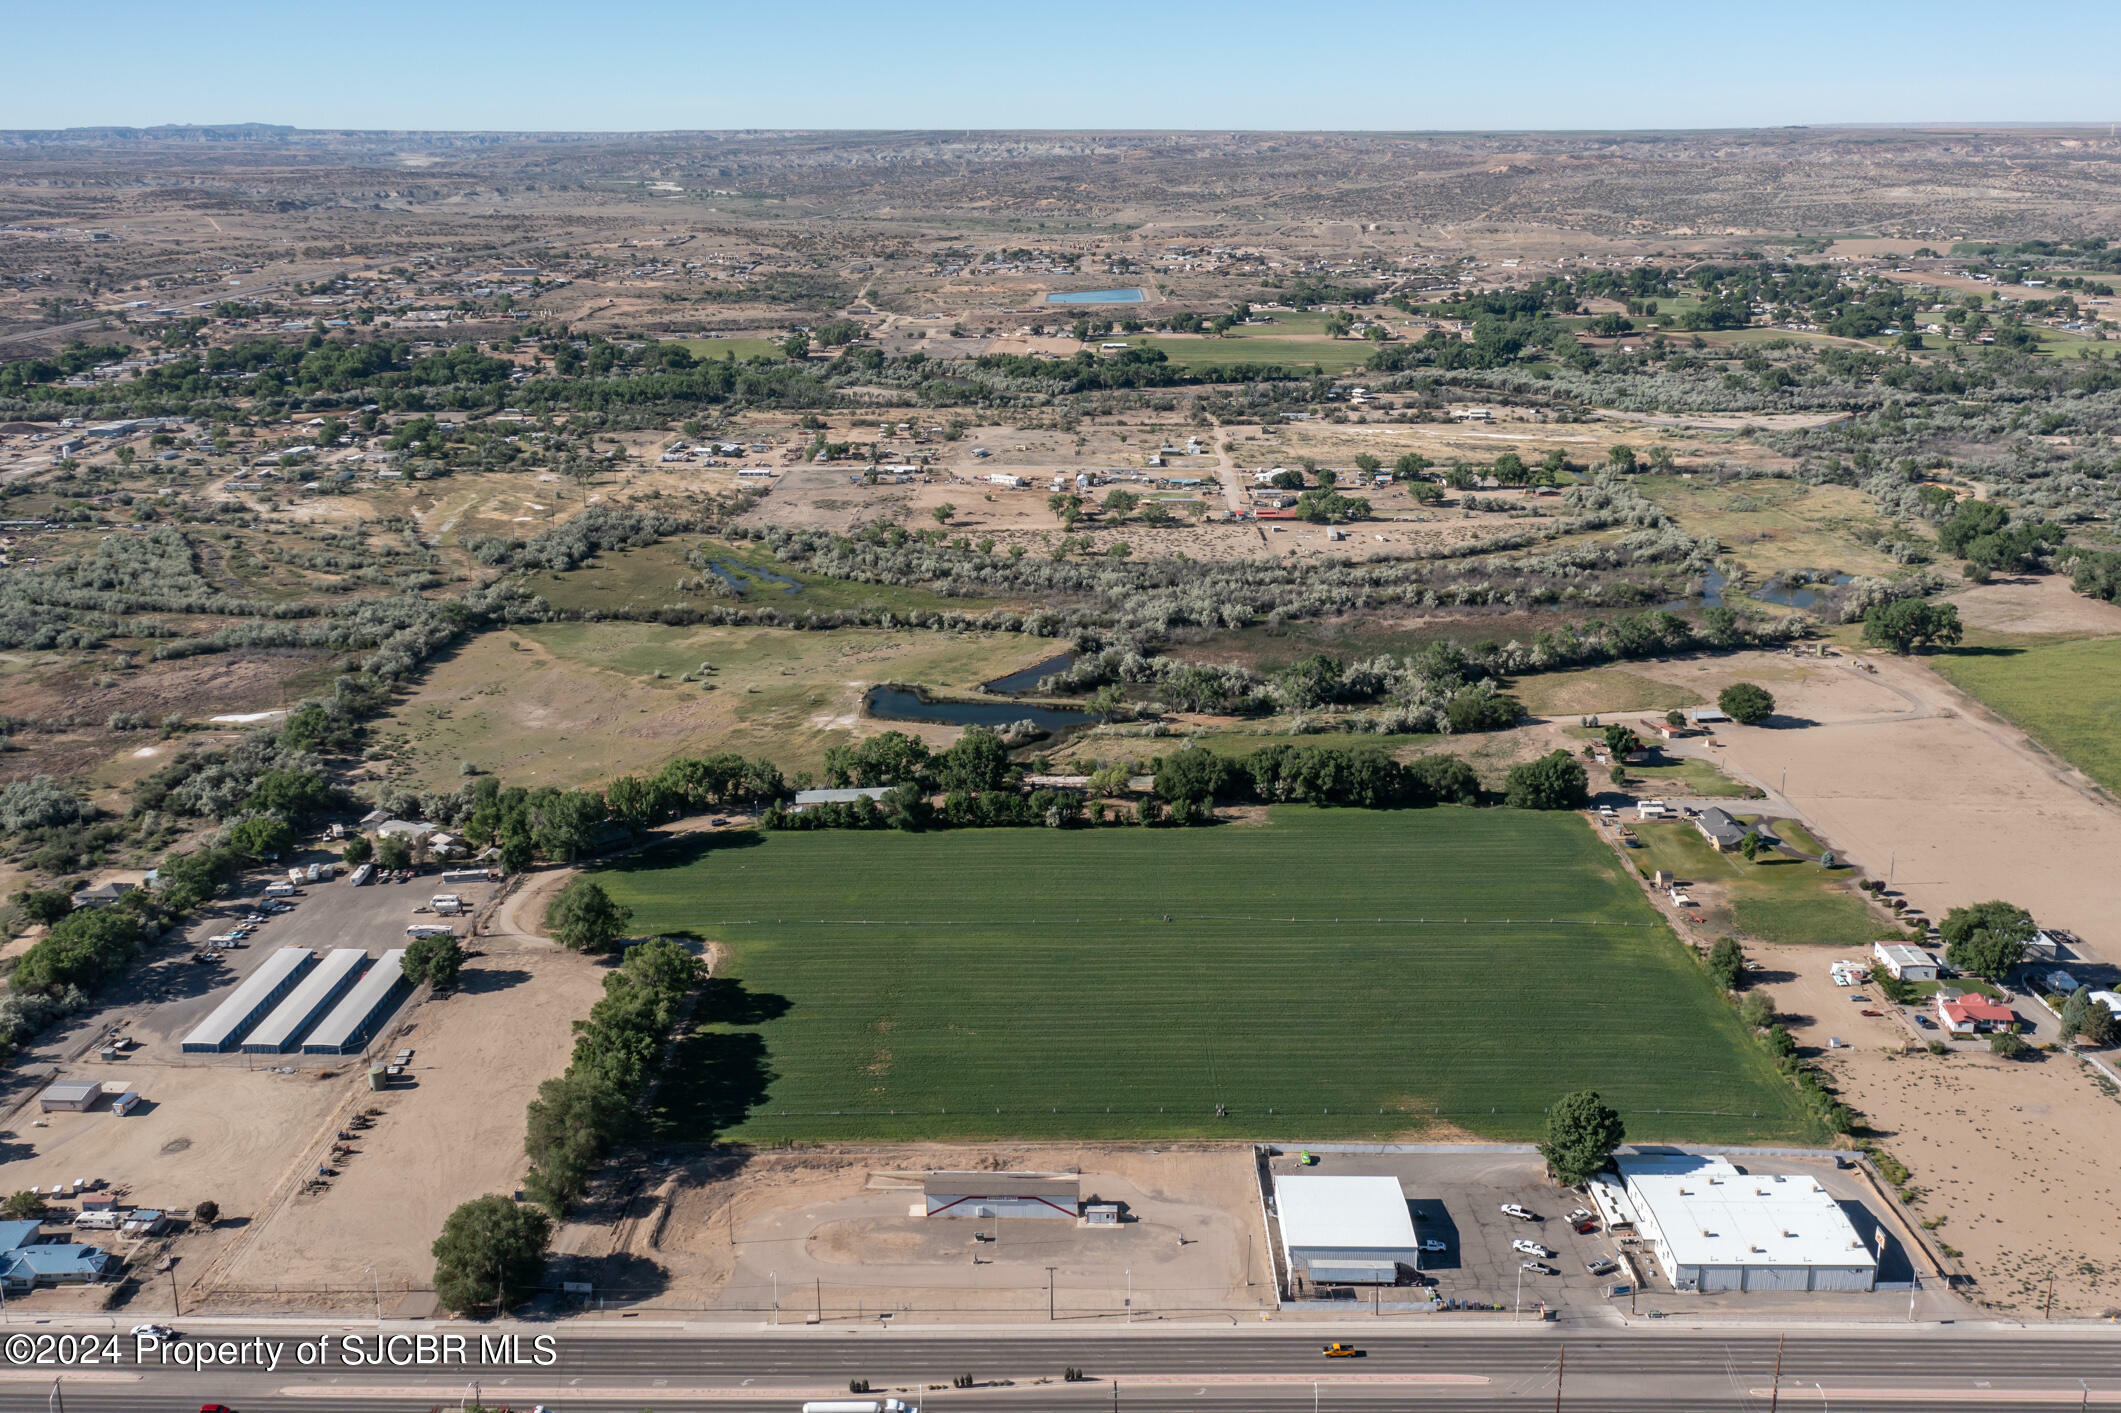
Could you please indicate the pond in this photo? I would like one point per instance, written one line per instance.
(905, 704)
(1791, 595)
(1028, 679)
(1097, 296)
(728, 574)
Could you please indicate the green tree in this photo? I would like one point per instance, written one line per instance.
(433, 959)
(1621, 458)
(1746, 703)
(489, 1249)
(358, 851)
(572, 1121)
(1556, 781)
(977, 762)
(1119, 504)
(1193, 774)
(45, 905)
(1756, 1010)
(393, 853)
(1986, 939)
(21, 1206)
(1749, 846)
(2009, 1044)
(261, 836)
(1780, 1042)
(1905, 625)
(1727, 963)
(582, 917)
(1621, 740)
(2087, 1020)
(1582, 1133)
(943, 512)
(1676, 719)
(1108, 701)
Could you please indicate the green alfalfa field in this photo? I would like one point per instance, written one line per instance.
(1318, 974)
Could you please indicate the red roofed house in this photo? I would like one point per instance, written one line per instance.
(1967, 1013)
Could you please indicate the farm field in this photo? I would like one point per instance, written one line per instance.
(578, 703)
(1121, 984)
(1772, 525)
(2065, 695)
(1585, 690)
(1259, 346)
(1775, 898)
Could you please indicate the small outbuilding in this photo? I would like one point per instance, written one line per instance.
(1905, 962)
(71, 1096)
(955, 1194)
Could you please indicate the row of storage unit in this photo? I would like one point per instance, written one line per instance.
(354, 1020)
(325, 983)
(338, 1004)
(249, 1002)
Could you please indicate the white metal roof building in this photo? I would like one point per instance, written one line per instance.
(1345, 1230)
(274, 978)
(350, 1023)
(1714, 1228)
(325, 983)
(983, 1194)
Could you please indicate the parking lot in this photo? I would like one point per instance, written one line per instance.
(1457, 1196)
(178, 992)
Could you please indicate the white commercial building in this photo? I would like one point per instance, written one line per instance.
(1905, 962)
(1714, 1228)
(1345, 1230)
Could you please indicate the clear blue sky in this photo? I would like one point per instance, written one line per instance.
(655, 64)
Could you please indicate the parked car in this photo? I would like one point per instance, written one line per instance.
(1587, 1228)
(1537, 1268)
(1530, 1248)
(1581, 1214)
(1430, 1243)
(1601, 1265)
(1511, 1209)
(1924, 1021)
(1871, 1011)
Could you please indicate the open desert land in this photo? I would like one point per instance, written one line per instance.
(435, 492)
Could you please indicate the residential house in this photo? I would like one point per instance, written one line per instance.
(1966, 1013)
(1723, 832)
(1905, 962)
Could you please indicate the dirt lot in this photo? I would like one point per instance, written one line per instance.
(2013, 1159)
(452, 1132)
(833, 1226)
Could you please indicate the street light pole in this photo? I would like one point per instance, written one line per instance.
(1130, 1295)
(379, 1294)
(1049, 1294)
(775, 1277)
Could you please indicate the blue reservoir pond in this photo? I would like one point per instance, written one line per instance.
(1097, 296)
(905, 703)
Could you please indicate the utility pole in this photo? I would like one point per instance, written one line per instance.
(1775, 1391)
(176, 1302)
(2050, 1295)
(1560, 1368)
(817, 1285)
(1049, 1294)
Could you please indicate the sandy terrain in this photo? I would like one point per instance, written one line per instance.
(2013, 1158)
(834, 1226)
(480, 1054)
(1907, 779)
(2042, 603)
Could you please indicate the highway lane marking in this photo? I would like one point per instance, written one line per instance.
(2077, 1396)
(706, 1395)
(46, 1373)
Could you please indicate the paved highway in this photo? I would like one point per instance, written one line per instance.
(1652, 1371)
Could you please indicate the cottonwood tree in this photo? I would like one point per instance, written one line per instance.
(582, 917)
(1582, 1132)
(489, 1247)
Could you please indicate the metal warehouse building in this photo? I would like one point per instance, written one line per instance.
(257, 994)
(325, 983)
(1002, 1194)
(355, 1018)
(1714, 1228)
(1345, 1230)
